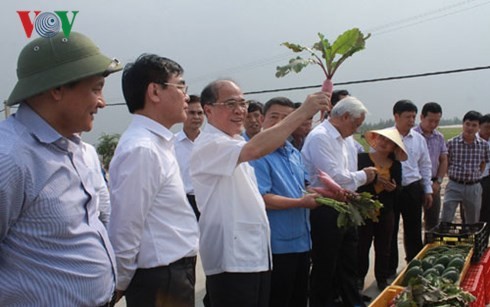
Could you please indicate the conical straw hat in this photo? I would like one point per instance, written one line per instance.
(391, 134)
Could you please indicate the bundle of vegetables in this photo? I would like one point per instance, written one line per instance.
(432, 291)
(332, 55)
(354, 208)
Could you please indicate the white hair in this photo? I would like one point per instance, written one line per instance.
(350, 105)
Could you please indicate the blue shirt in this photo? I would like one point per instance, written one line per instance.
(282, 173)
(54, 251)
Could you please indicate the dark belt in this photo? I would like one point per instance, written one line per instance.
(465, 182)
(184, 261)
(413, 184)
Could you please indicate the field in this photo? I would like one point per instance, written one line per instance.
(448, 132)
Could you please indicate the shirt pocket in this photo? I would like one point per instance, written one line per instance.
(249, 244)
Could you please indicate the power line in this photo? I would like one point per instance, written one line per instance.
(420, 75)
(378, 30)
(445, 72)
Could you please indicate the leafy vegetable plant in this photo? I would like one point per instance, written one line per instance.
(331, 55)
(353, 208)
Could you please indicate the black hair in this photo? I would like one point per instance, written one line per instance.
(485, 119)
(336, 96)
(254, 105)
(404, 105)
(138, 75)
(472, 116)
(283, 101)
(194, 98)
(432, 107)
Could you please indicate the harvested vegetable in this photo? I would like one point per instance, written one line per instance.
(434, 291)
(332, 55)
(355, 210)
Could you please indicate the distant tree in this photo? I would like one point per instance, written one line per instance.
(106, 147)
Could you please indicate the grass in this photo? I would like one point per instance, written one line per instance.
(448, 132)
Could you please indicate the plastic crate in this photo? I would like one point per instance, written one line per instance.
(449, 233)
(399, 279)
(474, 283)
(386, 297)
(485, 262)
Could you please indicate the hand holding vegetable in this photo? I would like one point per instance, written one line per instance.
(319, 101)
(353, 208)
(309, 200)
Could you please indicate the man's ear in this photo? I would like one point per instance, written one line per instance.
(152, 92)
(56, 93)
(207, 109)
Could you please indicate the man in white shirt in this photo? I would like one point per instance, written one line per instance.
(329, 148)
(416, 191)
(184, 142)
(235, 237)
(153, 229)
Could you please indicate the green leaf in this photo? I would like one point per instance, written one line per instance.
(294, 47)
(295, 64)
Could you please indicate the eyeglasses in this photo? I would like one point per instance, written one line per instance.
(232, 104)
(181, 87)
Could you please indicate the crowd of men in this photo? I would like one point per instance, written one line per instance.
(236, 191)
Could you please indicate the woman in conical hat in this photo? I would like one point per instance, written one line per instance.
(387, 150)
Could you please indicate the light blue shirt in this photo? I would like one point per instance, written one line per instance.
(54, 251)
(282, 173)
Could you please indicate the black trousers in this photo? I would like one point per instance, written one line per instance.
(192, 201)
(409, 205)
(382, 233)
(289, 286)
(335, 261)
(485, 200)
(171, 285)
(239, 289)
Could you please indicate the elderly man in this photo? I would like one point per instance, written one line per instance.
(54, 251)
(235, 237)
(329, 148)
(153, 229)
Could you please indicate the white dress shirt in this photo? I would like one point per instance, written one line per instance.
(152, 224)
(183, 149)
(235, 233)
(326, 150)
(418, 166)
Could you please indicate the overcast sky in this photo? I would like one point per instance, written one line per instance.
(240, 39)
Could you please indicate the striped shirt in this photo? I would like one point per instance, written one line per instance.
(465, 160)
(54, 251)
(436, 145)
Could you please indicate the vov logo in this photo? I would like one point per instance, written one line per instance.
(47, 24)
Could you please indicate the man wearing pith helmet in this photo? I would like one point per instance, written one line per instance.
(54, 251)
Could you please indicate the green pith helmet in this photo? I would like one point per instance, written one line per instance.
(47, 63)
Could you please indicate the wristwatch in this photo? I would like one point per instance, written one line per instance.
(439, 180)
